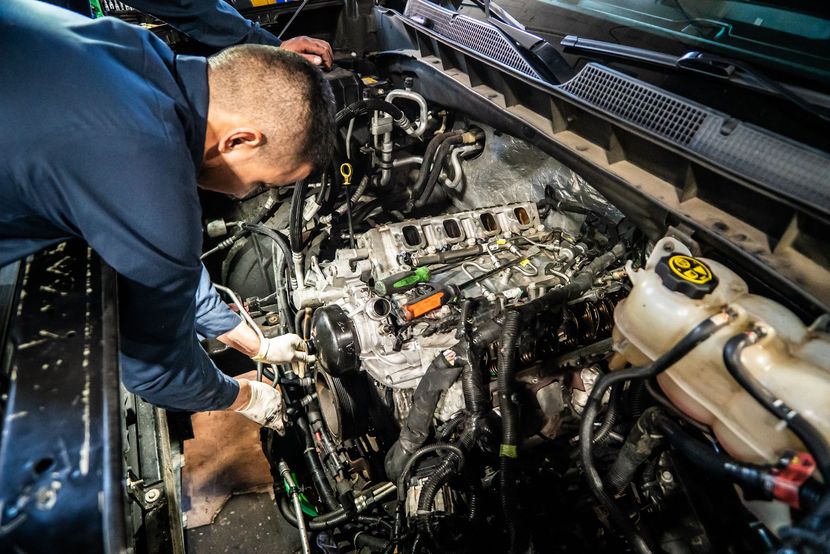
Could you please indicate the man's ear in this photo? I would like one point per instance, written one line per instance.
(240, 139)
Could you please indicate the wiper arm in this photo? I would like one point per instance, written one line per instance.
(696, 62)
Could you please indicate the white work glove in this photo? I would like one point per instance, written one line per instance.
(283, 350)
(266, 407)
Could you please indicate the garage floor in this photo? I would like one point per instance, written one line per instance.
(227, 490)
(248, 523)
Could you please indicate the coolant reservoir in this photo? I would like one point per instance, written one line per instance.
(671, 296)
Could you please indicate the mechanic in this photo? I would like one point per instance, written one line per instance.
(107, 135)
(217, 24)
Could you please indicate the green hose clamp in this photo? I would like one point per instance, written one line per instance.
(508, 451)
(306, 506)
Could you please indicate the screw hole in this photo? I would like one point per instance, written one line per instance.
(43, 465)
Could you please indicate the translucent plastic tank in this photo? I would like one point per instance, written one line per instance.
(791, 361)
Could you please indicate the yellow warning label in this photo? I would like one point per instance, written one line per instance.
(690, 269)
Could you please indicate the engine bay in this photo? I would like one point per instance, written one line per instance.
(505, 362)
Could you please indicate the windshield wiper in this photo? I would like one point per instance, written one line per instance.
(700, 63)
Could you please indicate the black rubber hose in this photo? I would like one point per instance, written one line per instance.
(325, 185)
(439, 376)
(449, 427)
(319, 523)
(369, 105)
(476, 399)
(283, 299)
(420, 453)
(579, 284)
(813, 440)
(712, 462)
(274, 235)
(315, 466)
(363, 210)
(423, 174)
(803, 429)
(639, 445)
(298, 322)
(474, 508)
(563, 206)
(435, 171)
(440, 477)
(610, 416)
(295, 221)
(751, 477)
(343, 116)
(433, 485)
(508, 451)
(370, 542)
(637, 399)
(270, 208)
(698, 334)
(486, 334)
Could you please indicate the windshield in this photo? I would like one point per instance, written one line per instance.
(792, 37)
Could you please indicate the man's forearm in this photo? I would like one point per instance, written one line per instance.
(244, 339)
(244, 396)
(241, 338)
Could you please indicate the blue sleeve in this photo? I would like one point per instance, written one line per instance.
(212, 22)
(138, 208)
(213, 316)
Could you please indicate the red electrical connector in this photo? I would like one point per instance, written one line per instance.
(789, 475)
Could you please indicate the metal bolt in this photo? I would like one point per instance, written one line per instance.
(272, 319)
(152, 495)
(666, 476)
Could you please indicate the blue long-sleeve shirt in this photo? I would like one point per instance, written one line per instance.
(103, 136)
(212, 22)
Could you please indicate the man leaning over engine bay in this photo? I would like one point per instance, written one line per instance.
(107, 135)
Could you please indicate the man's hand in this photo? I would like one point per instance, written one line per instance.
(314, 50)
(262, 404)
(283, 350)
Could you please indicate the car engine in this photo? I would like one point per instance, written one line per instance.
(504, 362)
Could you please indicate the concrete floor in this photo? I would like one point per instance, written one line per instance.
(248, 523)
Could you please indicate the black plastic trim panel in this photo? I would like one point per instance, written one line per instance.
(478, 36)
(779, 164)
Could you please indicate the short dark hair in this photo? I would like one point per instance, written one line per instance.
(285, 96)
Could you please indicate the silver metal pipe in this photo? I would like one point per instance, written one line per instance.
(410, 160)
(298, 509)
(242, 311)
(455, 164)
(423, 117)
(386, 156)
(251, 323)
(299, 268)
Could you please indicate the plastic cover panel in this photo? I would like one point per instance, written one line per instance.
(476, 35)
(760, 156)
(782, 165)
(637, 103)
